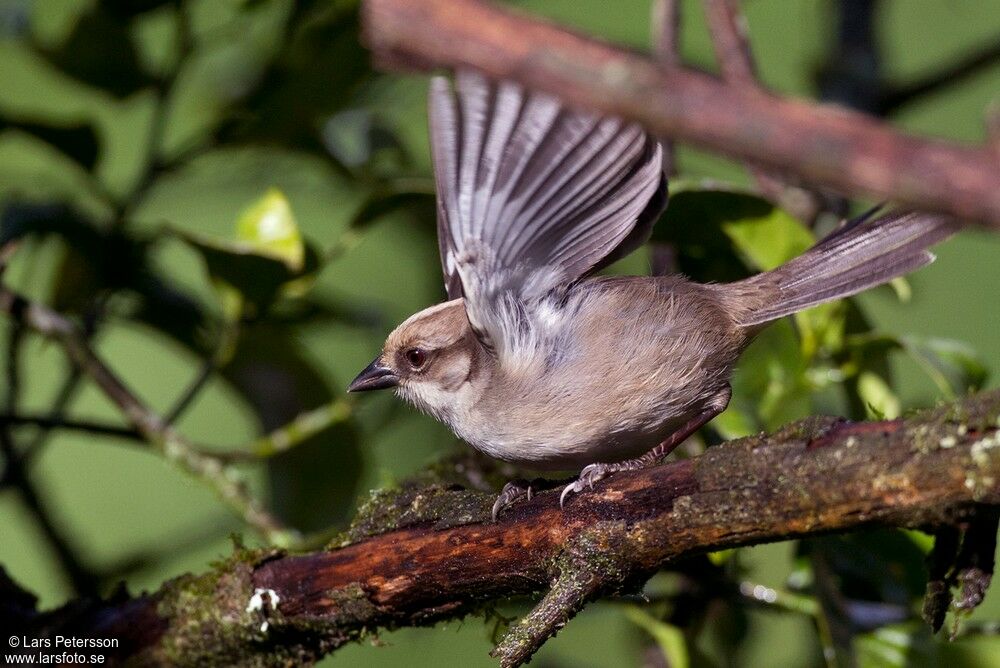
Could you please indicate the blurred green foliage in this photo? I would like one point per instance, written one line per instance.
(238, 208)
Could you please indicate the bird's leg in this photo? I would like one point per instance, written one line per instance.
(595, 472)
(510, 493)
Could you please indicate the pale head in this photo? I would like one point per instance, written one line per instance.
(430, 359)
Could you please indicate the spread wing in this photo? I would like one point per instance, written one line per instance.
(531, 197)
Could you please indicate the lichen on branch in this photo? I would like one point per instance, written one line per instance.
(428, 551)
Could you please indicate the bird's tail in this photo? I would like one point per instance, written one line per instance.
(859, 255)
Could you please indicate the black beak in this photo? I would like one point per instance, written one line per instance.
(376, 376)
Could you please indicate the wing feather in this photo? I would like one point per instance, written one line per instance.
(532, 195)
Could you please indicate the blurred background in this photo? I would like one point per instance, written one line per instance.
(149, 148)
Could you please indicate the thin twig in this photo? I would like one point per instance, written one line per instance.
(728, 28)
(305, 425)
(57, 410)
(564, 599)
(666, 21)
(227, 339)
(164, 87)
(993, 128)
(87, 426)
(972, 63)
(782, 599)
(176, 448)
(81, 578)
(205, 370)
(71, 383)
(6, 253)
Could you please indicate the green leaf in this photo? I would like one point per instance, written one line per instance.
(768, 238)
(692, 225)
(243, 278)
(771, 384)
(414, 195)
(954, 366)
(319, 71)
(300, 286)
(410, 196)
(668, 637)
(358, 138)
(821, 327)
(77, 140)
(901, 287)
(78, 279)
(896, 646)
(721, 557)
(315, 483)
(717, 228)
(924, 541)
(878, 396)
(268, 258)
(269, 228)
(100, 52)
(881, 567)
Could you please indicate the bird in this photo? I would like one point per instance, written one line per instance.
(536, 360)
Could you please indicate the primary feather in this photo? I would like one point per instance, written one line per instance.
(532, 196)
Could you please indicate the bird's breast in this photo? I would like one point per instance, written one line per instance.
(637, 362)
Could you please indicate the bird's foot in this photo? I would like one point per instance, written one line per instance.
(510, 493)
(596, 472)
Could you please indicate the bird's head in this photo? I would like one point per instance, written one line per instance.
(430, 359)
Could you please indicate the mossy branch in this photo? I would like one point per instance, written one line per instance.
(428, 550)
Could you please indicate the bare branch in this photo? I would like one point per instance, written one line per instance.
(666, 19)
(993, 128)
(227, 338)
(666, 23)
(728, 28)
(824, 146)
(201, 378)
(729, 39)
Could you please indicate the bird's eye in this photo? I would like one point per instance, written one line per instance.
(416, 357)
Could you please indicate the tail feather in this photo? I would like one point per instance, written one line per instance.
(858, 256)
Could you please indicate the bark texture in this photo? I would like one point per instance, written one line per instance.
(428, 551)
(850, 152)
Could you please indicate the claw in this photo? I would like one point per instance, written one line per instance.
(567, 490)
(510, 493)
(498, 505)
(588, 476)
